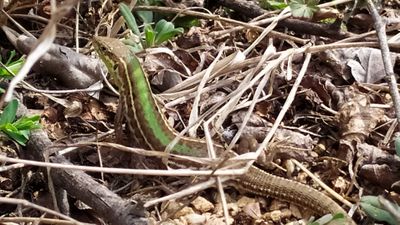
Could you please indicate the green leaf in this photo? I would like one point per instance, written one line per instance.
(322, 220)
(14, 66)
(132, 45)
(265, 4)
(12, 55)
(27, 123)
(19, 130)
(163, 26)
(187, 22)
(165, 30)
(9, 127)
(371, 200)
(17, 136)
(303, 8)
(372, 206)
(337, 218)
(150, 35)
(11, 131)
(129, 18)
(25, 133)
(9, 112)
(145, 16)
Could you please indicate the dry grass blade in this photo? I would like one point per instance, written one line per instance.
(194, 112)
(38, 207)
(286, 105)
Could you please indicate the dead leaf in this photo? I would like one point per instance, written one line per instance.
(166, 79)
(381, 175)
(159, 61)
(97, 110)
(356, 118)
(196, 36)
(254, 121)
(367, 66)
(324, 88)
(72, 109)
(211, 99)
(378, 166)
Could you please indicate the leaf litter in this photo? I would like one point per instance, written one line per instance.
(339, 126)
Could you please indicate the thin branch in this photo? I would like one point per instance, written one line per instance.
(387, 63)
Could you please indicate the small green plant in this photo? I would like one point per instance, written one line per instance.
(303, 8)
(17, 130)
(10, 68)
(372, 206)
(299, 8)
(272, 5)
(338, 218)
(152, 36)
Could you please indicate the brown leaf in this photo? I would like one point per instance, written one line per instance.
(357, 119)
(156, 62)
(211, 99)
(166, 79)
(381, 175)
